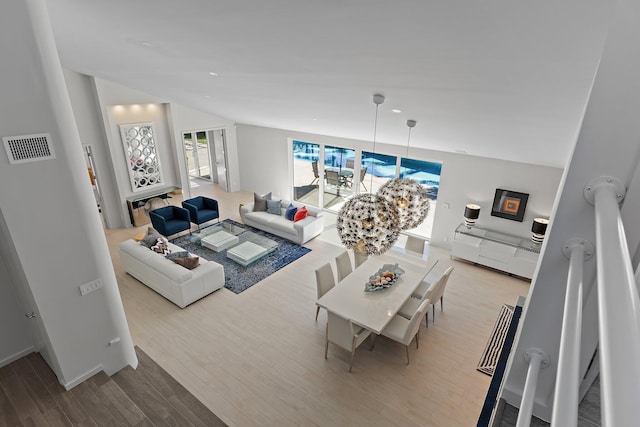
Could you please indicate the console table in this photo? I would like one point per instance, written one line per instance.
(139, 199)
(505, 252)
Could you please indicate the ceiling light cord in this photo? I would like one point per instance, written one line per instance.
(377, 99)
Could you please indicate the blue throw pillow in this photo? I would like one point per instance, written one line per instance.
(273, 207)
(291, 212)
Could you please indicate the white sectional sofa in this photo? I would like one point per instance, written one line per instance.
(174, 282)
(298, 232)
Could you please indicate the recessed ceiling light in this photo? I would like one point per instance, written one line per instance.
(207, 96)
(146, 44)
(314, 119)
(396, 110)
(211, 73)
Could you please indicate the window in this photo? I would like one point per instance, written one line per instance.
(338, 176)
(379, 169)
(306, 178)
(427, 174)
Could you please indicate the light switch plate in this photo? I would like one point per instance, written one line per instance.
(87, 288)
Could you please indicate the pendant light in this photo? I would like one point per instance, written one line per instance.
(367, 223)
(407, 195)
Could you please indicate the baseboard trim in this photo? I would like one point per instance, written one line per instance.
(17, 356)
(71, 384)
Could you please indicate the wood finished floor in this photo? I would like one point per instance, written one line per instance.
(30, 395)
(257, 358)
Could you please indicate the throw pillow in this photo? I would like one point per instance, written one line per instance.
(174, 255)
(291, 212)
(260, 202)
(273, 207)
(188, 262)
(300, 214)
(151, 238)
(161, 246)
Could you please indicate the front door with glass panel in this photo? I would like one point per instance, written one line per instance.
(197, 155)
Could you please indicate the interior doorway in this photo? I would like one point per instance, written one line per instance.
(93, 178)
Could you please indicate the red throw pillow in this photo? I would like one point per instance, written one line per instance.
(301, 214)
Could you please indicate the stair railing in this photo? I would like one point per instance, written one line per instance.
(618, 306)
(566, 396)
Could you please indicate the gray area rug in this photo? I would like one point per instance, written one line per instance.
(491, 353)
(236, 277)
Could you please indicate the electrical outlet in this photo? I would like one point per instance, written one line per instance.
(87, 288)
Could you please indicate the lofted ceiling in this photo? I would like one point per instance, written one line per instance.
(495, 78)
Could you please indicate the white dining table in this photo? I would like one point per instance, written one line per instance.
(374, 310)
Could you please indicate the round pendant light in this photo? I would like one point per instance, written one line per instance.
(407, 195)
(367, 223)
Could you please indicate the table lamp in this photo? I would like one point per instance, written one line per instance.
(471, 213)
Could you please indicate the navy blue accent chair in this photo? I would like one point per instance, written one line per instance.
(170, 220)
(202, 209)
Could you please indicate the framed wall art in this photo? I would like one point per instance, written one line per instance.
(141, 155)
(509, 204)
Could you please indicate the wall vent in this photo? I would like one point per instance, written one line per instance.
(28, 148)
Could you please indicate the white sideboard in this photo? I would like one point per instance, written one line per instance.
(505, 252)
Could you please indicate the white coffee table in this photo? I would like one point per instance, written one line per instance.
(219, 241)
(247, 252)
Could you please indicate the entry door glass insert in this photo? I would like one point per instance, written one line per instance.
(306, 178)
(196, 150)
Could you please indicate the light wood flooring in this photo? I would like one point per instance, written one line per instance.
(257, 358)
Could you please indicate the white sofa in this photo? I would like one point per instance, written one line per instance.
(298, 232)
(174, 282)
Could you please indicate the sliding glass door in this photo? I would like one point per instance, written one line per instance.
(306, 175)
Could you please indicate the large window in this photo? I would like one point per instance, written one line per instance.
(379, 169)
(306, 176)
(339, 169)
(328, 176)
(427, 174)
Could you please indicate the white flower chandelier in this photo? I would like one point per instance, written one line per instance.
(410, 198)
(367, 223)
(407, 195)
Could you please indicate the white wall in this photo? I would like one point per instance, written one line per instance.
(265, 164)
(84, 101)
(14, 332)
(49, 208)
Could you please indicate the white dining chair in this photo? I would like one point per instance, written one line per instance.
(343, 265)
(411, 304)
(415, 246)
(427, 281)
(359, 258)
(438, 292)
(403, 330)
(343, 333)
(324, 282)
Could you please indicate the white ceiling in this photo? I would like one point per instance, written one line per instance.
(497, 78)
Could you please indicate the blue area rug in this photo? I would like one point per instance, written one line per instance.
(236, 277)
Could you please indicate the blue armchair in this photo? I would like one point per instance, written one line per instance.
(170, 220)
(202, 209)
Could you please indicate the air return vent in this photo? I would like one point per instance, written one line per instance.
(28, 148)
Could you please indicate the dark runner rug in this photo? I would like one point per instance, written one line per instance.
(491, 354)
(236, 277)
